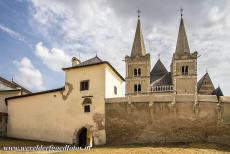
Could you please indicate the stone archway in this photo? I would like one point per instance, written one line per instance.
(83, 137)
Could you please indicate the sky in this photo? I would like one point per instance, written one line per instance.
(39, 37)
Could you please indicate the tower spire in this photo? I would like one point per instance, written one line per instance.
(182, 42)
(138, 48)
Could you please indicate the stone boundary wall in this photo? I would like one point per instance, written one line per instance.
(128, 121)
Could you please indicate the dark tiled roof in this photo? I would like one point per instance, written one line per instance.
(93, 60)
(158, 71)
(164, 80)
(218, 92)
(200, 82)
(13, 85)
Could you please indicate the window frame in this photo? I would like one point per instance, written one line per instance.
(87, 108)
(83, 87)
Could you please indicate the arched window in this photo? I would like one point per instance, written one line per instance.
(135, 72)
(137, 88)
(87, 103)
(139, 72)
(184, 70)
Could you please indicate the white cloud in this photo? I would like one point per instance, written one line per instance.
(14, 34)
(107, 27)
(28, 76)
(54, 58)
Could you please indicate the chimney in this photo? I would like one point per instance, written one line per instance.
(75, 61)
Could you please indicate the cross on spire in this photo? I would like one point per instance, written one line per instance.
(159, 55)
(181, 12)
(138, 13)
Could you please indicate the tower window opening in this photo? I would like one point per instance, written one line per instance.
(137, 88)
(135, 72)
(184, 70)
(139, 72)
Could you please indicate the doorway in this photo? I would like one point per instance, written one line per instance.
(84, 137)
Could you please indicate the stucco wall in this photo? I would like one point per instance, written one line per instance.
(111, 80)
(57, 116)
(6, 94)
(152, 121)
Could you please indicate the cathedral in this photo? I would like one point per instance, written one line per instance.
(159, 105)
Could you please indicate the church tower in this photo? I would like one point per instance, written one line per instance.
(184, 65)
(138, 65)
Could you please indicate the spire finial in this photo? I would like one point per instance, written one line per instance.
(159, 55)
(181, 12)
(138, 13)
(206, 70)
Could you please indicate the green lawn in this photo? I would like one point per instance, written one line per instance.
(189, 148)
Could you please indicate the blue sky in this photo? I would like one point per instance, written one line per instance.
(39, 37)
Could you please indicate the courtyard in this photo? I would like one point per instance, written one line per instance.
(177, 148)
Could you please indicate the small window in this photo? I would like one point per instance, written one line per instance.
(137, 88)
(184, 70)
(139, 72)
(135, 72)
(87, 108)
(115, 90)
(84, 85)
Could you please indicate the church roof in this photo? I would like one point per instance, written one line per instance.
(157, 71)
(12, 85)
(138, 48)
(182, 42)
(164, 80)
(200, 82)
(218, 92)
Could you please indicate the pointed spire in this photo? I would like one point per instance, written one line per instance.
(138, 48)
(182, 42)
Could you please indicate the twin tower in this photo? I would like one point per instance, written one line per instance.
(182, 78)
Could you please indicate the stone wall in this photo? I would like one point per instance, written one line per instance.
(144, 122)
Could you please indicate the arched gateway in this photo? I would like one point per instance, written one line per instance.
(83, 137)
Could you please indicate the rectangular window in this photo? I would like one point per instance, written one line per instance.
(115, 90)
(84, 85)
(87, 108)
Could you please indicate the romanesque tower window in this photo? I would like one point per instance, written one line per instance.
(139, 72)
(84, 85)
(135, 72)
(137, 88)
(184, 70)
